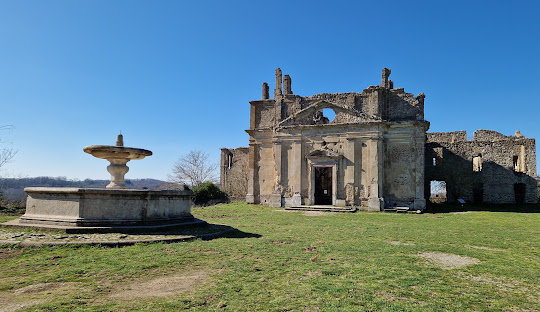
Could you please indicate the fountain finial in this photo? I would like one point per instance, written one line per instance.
(120, 140)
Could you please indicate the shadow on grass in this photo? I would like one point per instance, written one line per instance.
(447, 208)
(205, 231)
(241, 234)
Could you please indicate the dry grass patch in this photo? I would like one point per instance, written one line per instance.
(447, 261)
(35, 294)
(398, 243)
(314, 213)
(161, 287)
(6, 253)
(485, 248)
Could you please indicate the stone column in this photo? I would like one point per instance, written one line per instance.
(287, 85)
(277, 90)
(265, 91)
(376, 200)
(385, 74)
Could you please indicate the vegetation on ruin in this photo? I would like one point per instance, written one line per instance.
(296, 261)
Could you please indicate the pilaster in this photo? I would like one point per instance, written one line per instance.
(376, 200)
(275, 198)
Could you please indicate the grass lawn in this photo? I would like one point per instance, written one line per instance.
(292, 261)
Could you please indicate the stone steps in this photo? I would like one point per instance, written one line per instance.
(400, 210)
(322, 208)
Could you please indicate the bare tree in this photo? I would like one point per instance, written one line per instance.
(6, 153)
(194, 169)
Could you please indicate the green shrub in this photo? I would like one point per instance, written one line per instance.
(208, 194)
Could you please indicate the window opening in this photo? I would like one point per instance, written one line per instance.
(477, 163)
(230, 161)
(438, 194)
(437, 157)
(515, 161)
(329, 113)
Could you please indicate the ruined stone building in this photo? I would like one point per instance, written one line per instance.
(368, 150)
(490, 168)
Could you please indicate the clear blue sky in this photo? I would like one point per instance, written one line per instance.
(178, 75)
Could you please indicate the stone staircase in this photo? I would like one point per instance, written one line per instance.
(401, 210)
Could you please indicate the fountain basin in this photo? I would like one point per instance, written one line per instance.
(91, 207)
(116, 152)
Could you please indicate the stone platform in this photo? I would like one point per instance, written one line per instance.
(105, 210)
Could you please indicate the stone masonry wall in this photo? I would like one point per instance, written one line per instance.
(491, 168)
(234, 172)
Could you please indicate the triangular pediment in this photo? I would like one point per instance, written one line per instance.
(312, 115)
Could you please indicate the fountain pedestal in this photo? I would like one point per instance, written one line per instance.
(91, 207)
(118, 170)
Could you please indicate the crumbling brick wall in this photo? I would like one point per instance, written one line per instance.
(381, 102)
(490, 168)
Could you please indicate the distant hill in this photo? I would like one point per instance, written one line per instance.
(13, 189)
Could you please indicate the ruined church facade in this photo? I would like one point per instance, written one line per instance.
(374, 153)
(370, 155)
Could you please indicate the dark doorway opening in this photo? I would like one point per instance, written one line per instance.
(519, 192)
(478, 193)
(323, 185)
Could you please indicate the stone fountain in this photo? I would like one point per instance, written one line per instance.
(111, 209)
(118, 156)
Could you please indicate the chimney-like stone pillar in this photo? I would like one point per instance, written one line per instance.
(277, 91)
(385, 74)
(265, 91)
(287, 85)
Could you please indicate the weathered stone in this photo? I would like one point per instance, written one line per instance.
(105, 207)
(115, 206)
(277, 90)
(287, 88)
(490, 168)
(235, 172)
(301, 156)
(265, 91)
(373, 154)
(118, 156)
